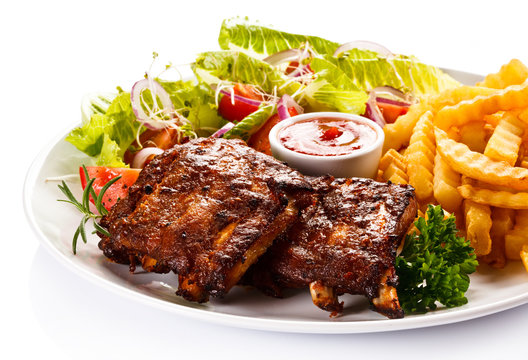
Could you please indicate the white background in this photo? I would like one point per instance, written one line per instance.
(53, 52)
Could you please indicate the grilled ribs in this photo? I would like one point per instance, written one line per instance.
(205, 210)
(345, 242)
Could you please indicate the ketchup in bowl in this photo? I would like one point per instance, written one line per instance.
(320, 143)
(327, 136)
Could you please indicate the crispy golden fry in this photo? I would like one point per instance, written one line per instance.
(399, 133)
(390, 157)
(478, 226)
(493, 119)
(445, 184)
(506, 140)
(464, 112)
(502, 222)
(523, 116)
(453, 96)
(512, 73)
(393, 168)
(420, 157)
(478, 166)
(516, 238)
(503, 199)
(524, 256)
(474, 135)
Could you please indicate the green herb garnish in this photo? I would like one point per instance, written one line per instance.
(84, 207)
(434, 264)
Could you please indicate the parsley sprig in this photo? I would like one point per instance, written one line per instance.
(434, 264)
(84, 207)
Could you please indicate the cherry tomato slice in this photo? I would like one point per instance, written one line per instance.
(102, 175)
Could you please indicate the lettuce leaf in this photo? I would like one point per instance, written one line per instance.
(259, 41)
(365, 69)
(216, 66)
(368, 70)
(108, 136)
(334, 89)
(196, 102)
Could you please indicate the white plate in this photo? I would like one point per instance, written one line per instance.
(55, 222)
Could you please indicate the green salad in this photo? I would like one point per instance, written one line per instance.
(328, 76)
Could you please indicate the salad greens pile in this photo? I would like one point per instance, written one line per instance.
(339, 83)
(434, 264)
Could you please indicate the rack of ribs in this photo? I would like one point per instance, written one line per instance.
(346, 242)
(206, 210)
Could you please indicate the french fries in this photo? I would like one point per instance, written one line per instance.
(467, 150)
(393, 167)
(420, 157)
(445, 185)
(512, 73)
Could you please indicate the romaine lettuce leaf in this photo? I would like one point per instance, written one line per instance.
(368, 70)
(216, 66)
(334, 89)
(259, 41)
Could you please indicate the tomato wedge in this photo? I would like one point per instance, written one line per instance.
(260, 140)
(102, 175)
(391, 111)
(239, 110)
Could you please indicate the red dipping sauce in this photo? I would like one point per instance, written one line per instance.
(327, 136)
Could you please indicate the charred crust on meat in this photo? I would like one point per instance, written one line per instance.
(221, 199)
(341, 242)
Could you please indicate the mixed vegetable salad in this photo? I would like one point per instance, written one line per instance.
(259, 77)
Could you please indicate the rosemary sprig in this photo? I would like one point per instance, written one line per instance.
(84, 207)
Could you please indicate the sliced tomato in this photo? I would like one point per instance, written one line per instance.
(239, 110)
(163, 139)
(391, 112)
(260, 140)
(102, 175)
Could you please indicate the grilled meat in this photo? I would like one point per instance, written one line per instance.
(345, 243)
(205, 210)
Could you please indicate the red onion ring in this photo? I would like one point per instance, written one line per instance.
(373, 112)
(235, 97)
(157, 91)
(220, 132)
(284, 104)
(364, 45)
(392, 102)
(284, 56)
(142, 156)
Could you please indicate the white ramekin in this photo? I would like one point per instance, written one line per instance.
(359, 163)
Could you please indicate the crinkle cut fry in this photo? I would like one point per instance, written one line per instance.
(512, 73)
(420, 157)
(513, 97)
(478, 166)
(502, 221)
(399, 133)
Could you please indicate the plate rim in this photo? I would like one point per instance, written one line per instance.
(248, 322)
